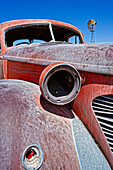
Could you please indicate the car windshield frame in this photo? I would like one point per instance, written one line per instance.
(45, 31)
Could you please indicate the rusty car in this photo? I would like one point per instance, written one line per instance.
(49, 77)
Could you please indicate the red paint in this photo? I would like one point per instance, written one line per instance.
(95, 64)
(95, 85)
(30, 154)
(6, 25)
(24, 71)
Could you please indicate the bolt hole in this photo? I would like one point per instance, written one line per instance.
(58, 100)
(76, 76)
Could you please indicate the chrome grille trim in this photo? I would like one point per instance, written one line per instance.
(105, 124)
(102, 105)
(104, 112)
(103, 101)
(110, 143)
(104, 118)
(103, 109)
(109, 139)
(105, 129)
(107, 133)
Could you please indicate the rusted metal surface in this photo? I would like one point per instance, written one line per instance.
(27, 71)
(1, 66)
(95, 85)
(13, 23)
(27, 118)
(86, 57)
(24, 71)
(6, 25)
(1, 70)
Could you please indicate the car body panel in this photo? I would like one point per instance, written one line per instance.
(27, 118)
(94, 62)
(96, 58)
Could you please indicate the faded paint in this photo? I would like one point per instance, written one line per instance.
(6, 25)
(53, 123)
(22, 71)
(94, 86)
(96, 58)
(27, 118)
(1, 70)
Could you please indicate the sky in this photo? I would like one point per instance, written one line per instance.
(75, 12)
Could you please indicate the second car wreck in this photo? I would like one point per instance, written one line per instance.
(74, 78)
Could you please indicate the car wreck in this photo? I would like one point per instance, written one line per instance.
(50, 76)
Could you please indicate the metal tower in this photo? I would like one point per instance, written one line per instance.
(91, 24)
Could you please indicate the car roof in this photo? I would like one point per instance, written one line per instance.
(13, 23)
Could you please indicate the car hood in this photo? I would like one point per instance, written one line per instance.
(96, 58)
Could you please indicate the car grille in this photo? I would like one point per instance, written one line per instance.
(103, 109)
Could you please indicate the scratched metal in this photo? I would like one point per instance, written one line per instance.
(27, 118)
(83, 109)
(88, 57)
(1, 70)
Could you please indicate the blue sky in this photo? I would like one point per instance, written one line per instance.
(75, 12)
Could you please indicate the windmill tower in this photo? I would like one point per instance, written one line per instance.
(91, 24)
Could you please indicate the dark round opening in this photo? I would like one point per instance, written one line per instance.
(61, 83)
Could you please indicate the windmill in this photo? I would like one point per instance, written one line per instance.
(91, 24)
